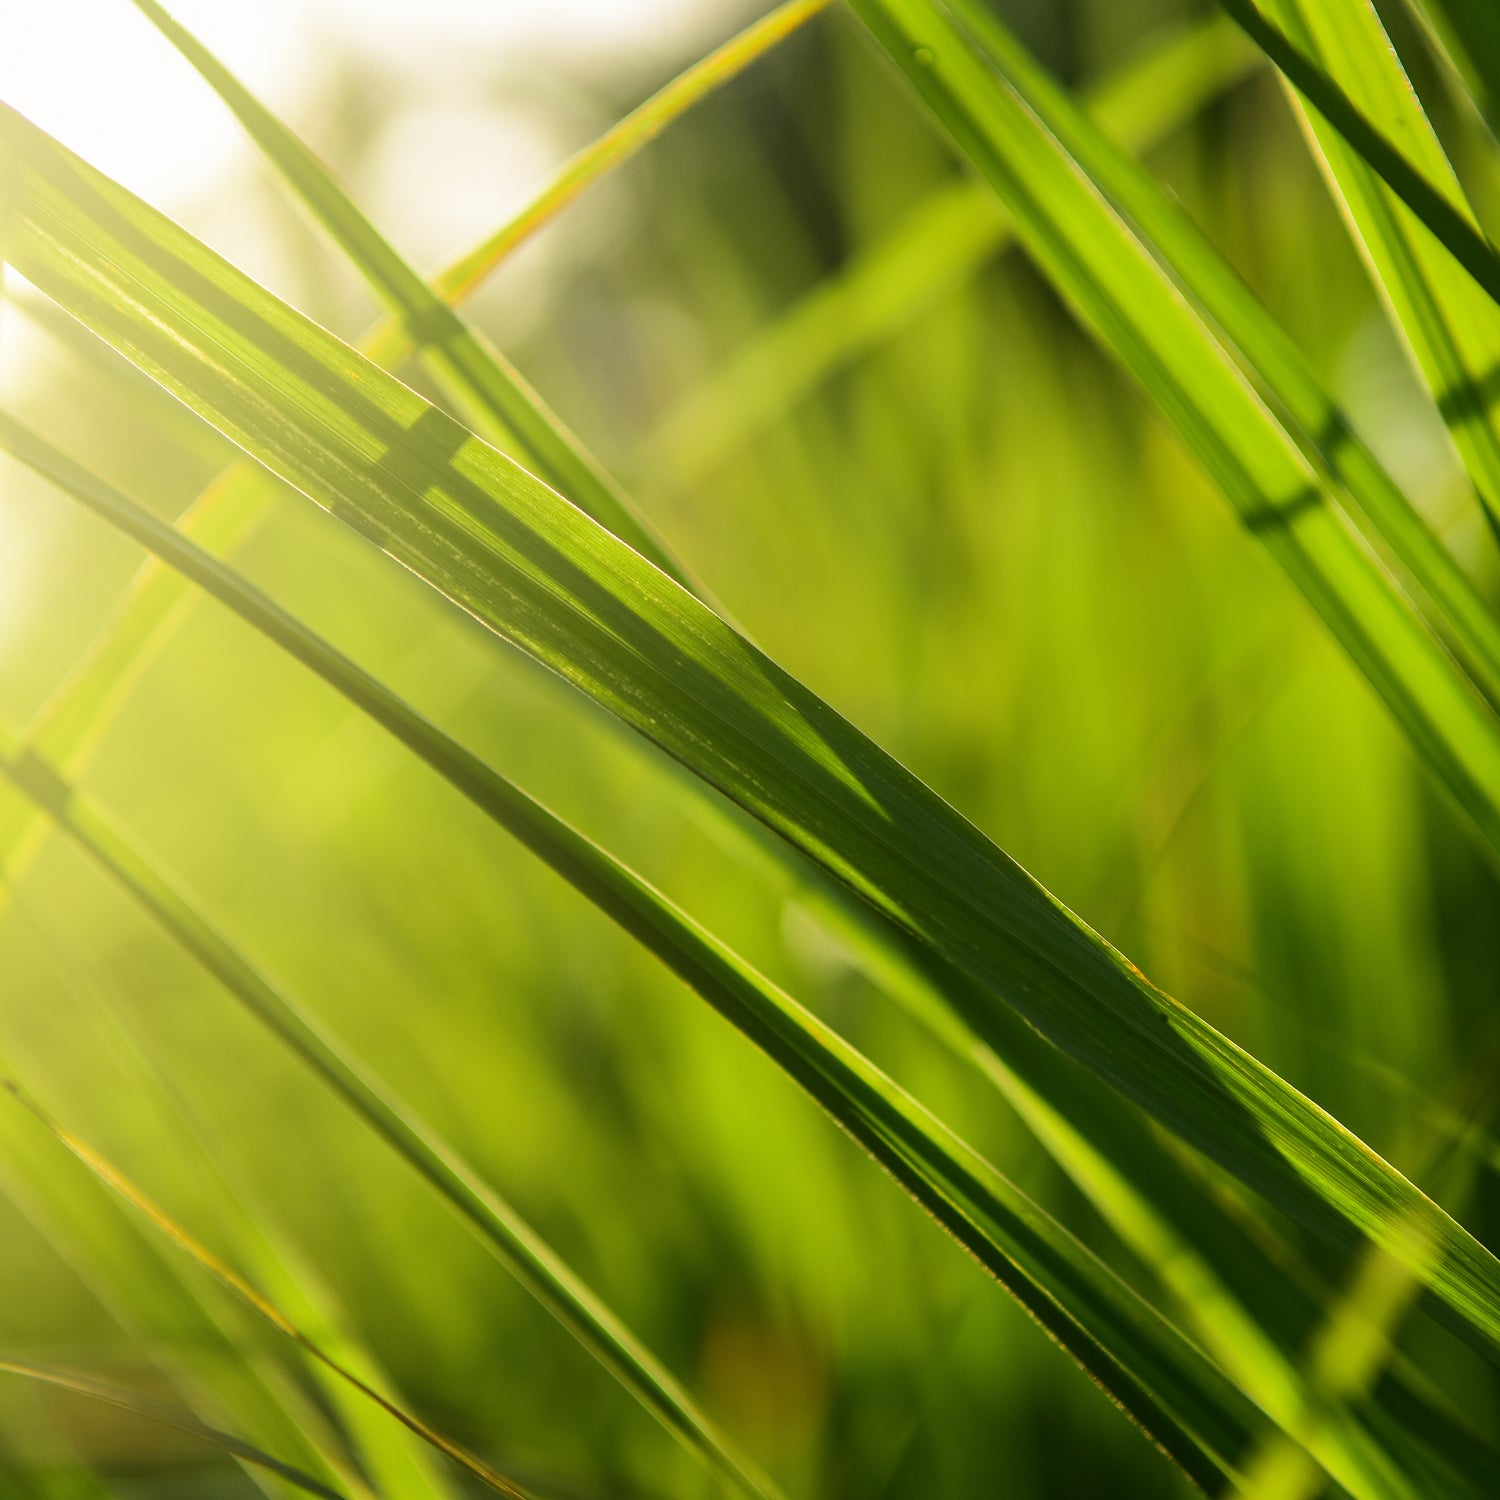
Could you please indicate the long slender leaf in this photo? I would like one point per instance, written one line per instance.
(499, 543)
(495, 1222)
(462, 275)
(1324, 565)
(398, 1465)
(1432, 202)
(1452, 328)
(155, 1411)
(1103, 1145)
(116, 1180)
(492, 396)
(1156, 1376)
(71, 722)
(192, 1333)
(1145, 97)
(999, 1227)
(938, 245)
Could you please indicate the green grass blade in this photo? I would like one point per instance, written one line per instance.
(398, 1466)
(461, 276)
(745, 998)
(1431, 202)
(1143, 99)
(1251, 1313)
(70, 724)
(1156, 1376)
(184, 1331)
(1093, 1133)
(492, 396)
(72, 721)
(940, 244)
(537, 571)
(1282, 373)
(156, 1411)
(514, 1242)
(1452, 328)
(116, 1180)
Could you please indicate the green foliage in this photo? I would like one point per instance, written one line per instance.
(1230, 1237)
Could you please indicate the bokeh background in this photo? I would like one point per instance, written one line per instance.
(972, 537)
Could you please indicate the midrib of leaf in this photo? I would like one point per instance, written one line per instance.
(1451, 328)
(496, 541)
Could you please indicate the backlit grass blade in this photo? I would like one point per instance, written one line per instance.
(1145, 97)
(492, 396)
(1251, 1309)
(1214, 1272)
(1157, 1377)
(465, 273)
(1466, 34)
(744, 997)
(495, 1222)
(70, 723)
(1324, 560)
(114, 1179)
(939, 244)
(191, 1333)
(156, 1411)
(536, 570)
(1451, 327)
(399, 1467)
(1431, 201)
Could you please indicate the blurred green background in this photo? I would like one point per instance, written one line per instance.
(973, 538)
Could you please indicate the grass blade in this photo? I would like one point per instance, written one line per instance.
(1313, 421)
(1143, 98)
(1452, 329)
(169, 1416)
(836, 1076)
(939, 244)
(1157, 1377)
(1432, 203)
(496, 1223)
(1093, 1134)
(537, 571)
(73, 719)
(192, 1334)
(463, 275)
(114, 1179)
(399, 1467)
(490, 395)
